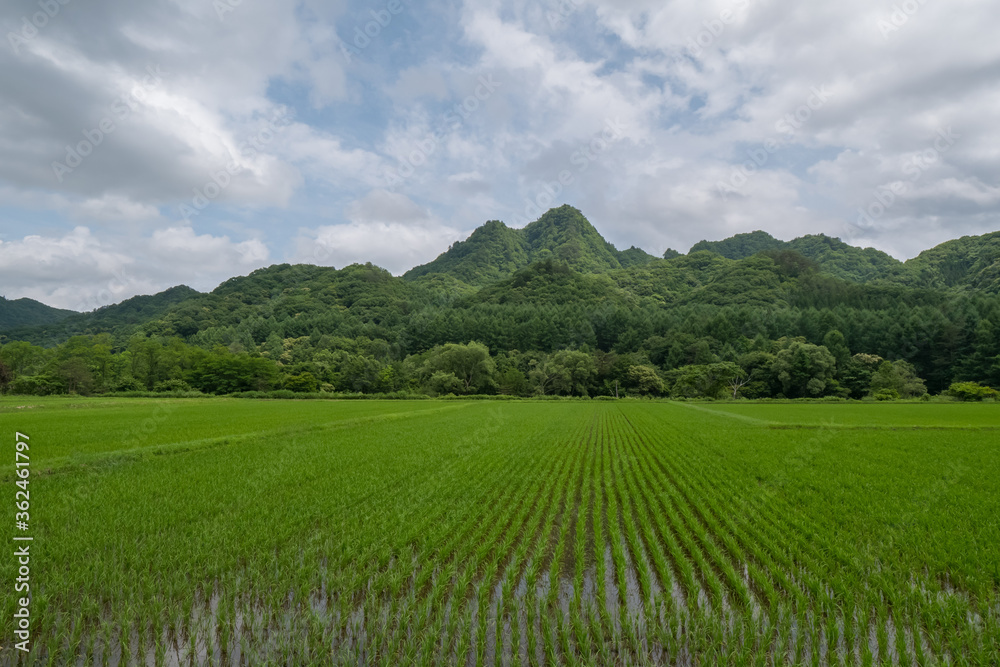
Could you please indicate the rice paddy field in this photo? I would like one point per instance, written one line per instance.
(231, 532)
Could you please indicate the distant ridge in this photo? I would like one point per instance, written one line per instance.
(740, 246)
(496, 251)
(128, 313)
(971, 261)
(28, 313)
(833, 255)
(558, 258)
(557, 286)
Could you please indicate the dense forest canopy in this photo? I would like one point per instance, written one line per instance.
(28, 312)
(550, 309)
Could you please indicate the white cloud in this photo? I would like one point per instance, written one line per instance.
(115, 208)
(693, 87)
(385, 228)
(873, 101)
(391, 245)
(172, 130)
(324, 157)
(38, 256)
(70, 271)
(385, 206)
(83, 271)
(181, 246)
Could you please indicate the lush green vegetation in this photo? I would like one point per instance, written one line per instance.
(751, 316)
(629, 532)
(28, 312)
(495, 251)
(678, 367)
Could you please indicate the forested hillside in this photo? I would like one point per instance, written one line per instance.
(554, 309)
(28, 312)
(496, 251)
(119, 319)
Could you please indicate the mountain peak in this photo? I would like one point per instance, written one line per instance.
(565, 234)
(740, 246)
(564, 217)
(494, 250)
(490, 229)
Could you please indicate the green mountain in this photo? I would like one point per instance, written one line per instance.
(554, 285)
(740, 246)
(971, 261)
(831, 254)
(846, 261)
(302, 297)
(492, 252)
(495, 251)
(119, 318)
(558, 259)
(634, 257)
(565, 235)
(27, 313)
(553, 282)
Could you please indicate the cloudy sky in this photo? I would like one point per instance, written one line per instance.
(163, 142)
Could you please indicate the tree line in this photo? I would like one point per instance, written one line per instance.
(680, 367)
(771, 325)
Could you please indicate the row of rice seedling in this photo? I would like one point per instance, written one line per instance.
(832, 626)
(635, 576)
(842, 591)
(645, 487)
(469, 563)
(115, 561)
(441, 550)
(546, 589)
(478, 559)
(702, 517)
(521, 534)
(423, 566)
(486, 562)
(705, 502)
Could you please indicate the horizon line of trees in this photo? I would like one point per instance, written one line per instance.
(685, 367)
(704, 310)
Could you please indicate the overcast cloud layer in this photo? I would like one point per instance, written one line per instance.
(145, 145)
